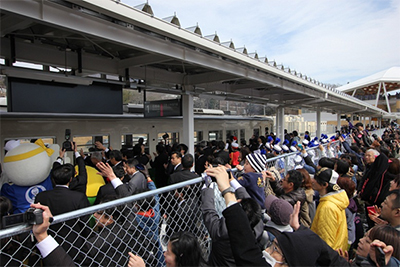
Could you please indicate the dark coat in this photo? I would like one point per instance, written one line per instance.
(58, 257)
(105, 190)
(224, 155)
(200, 162)
(79, 182)
(161, 177)
(221, 253)
(62, 200)
(376, 181)
(181, 176)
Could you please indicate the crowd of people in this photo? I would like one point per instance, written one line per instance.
(337, 207)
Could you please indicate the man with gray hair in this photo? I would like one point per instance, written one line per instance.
(374, 185)
(94, 158)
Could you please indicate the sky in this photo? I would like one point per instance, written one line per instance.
(332, 41)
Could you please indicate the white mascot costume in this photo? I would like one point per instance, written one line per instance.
(27, 168)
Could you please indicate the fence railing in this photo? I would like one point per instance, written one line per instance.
(127, 224)
(285, 162)
(135, 223)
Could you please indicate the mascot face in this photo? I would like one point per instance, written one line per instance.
(28, 164)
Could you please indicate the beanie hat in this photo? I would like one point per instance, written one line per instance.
(257, 161)
(327, 175)
(278, 209)
(234, 145)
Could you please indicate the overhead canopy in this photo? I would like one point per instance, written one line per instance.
(96, 39)
(370, 85)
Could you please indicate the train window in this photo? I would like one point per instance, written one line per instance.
(242, 134)
(215, 135)
(198, 136)
(230, 133)
(133, 139)
(86, 143)
(170, 137)
(256, 132)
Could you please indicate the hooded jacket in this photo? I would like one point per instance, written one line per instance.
(330, 219)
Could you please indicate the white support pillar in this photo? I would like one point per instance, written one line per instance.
(338, 123)
(280, 123)
(318, 132)
(377, 95)
(386, 97)
(188, 122)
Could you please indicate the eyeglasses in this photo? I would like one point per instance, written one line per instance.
(273, 247)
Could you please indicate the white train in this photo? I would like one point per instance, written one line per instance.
(118, 130)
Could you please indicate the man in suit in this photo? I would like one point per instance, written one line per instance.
(94, 158)
(175, 163)
(222, 153)
(108, 189)
(201, 158)
(185, 174)
(52, 253)
(78, 182)
(115, 158)
(60, 200)
(137, 181)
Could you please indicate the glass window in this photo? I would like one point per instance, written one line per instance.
(169, 137)
(133, 139)
(86, 143)
(215, 135)
(256, 132)
(243, 134)
(230, 133)
(198, 136)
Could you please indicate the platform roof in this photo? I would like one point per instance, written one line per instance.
(98, 39)
(370, 85)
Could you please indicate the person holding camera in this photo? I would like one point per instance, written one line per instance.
(53, 254)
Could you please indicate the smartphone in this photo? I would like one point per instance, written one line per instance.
(380, 256)
(371, 210)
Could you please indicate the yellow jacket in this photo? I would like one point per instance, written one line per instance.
(330, 219)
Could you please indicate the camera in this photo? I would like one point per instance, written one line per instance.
(165, 136)
(31, 216)
(67, 143)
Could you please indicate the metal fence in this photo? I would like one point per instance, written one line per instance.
(286, 162)
(141, 223)
(129, 224)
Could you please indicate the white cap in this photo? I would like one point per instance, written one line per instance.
(285, 148)
(297, 159)
(277, 148)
